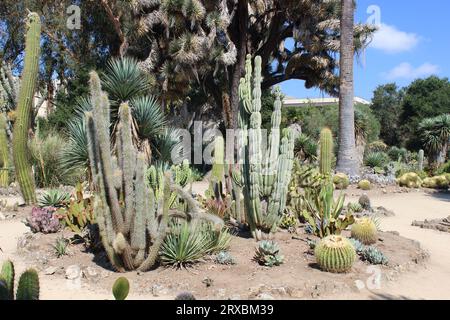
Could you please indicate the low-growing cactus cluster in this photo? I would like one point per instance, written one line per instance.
(410, 180)
(335, 254)
(437, 182)
(369, 253)
(268, 254)
(365, 230)
(43, 220)
(341, 181)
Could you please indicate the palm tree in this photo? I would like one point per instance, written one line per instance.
(124, 82)
(435, 135)
(347, 160)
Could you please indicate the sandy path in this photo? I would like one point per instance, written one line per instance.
(433, 281)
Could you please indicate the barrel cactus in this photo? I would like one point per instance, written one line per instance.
(410, 180)
(24, 109)
(364, 185)
(341, 181)
(335, 254)
(365, 230)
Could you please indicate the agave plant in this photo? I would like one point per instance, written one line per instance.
(323, 213)
(305, 148)
(54, 198)
(268, 254)
(376, 159)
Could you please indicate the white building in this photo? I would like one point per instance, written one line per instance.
(294, 102)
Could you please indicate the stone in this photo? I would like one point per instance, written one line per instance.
(265, 296)
(50, 271)
(73, 272)
(296, 293)
(90, 273)
(158, 290)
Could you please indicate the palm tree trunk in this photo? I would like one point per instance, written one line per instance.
(347, 161)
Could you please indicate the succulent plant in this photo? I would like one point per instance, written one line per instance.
(268, 254)
(54, 198)
(364, 185)
(341, 181)
(365, 230)
(374, 256)
(364, 201)
(121, 288)
(43, 220)
(288, 221)
(359, 247)
(60, 247)
(335, 254)
(224, 257)
(355, 207)
(326, 151)
(27, 289)
(185, 296)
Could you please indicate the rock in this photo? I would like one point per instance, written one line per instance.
(158, 290)
(235, 297)
(50, 271)
(208, 282)
(90, 273)
(279, 291)
(27, 242)
(296, 293)
(265, 296)
(73, 272)
(381, 211)
(221, 293)
(2, 217)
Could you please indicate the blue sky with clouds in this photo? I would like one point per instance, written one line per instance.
(412, 42)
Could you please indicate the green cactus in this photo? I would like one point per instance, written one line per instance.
(326, 151)
(335, 254)
(410, 180)
(121, 288)
(420, 158)
(365, 230)
(133, 233)
(27, 289)
(266, 177)
(364, 185)
(24, 109)
(268, 254)
(4, 153)
(341, 181)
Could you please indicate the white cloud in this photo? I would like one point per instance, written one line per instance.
(391, 40)
(407, 71)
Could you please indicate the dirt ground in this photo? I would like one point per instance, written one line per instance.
(410, 274)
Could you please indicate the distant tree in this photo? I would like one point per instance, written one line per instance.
(387, 108)
(435, 135)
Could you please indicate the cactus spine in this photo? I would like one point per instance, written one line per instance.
(264, 181)
(132, 234)
(4, 154)
(420, 160)
(326, 151)
(25, 104)
(335, 254)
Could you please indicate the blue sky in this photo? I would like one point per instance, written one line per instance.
(413, 42)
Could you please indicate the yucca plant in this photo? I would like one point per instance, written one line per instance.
(435, 135)
(54, 198)
(185, 245)
(305, 148)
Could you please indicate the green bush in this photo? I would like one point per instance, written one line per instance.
(376, 159)
(398, 154)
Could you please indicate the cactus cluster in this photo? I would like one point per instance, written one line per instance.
(132, 217)
(335, 254)
(43, 220)
(265, 175)
(24, 109)
(437, 182)
(365, 230)
(27, 289)
(374, 256)
(410, 180)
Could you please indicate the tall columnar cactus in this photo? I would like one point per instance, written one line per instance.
(326, 151)
(265, 175)
(218, 169)
(131, 233)
(4, 154)
(24, 109)
(420, 160)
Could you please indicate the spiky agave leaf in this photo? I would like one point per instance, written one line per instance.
(75, 154)
(149, 116)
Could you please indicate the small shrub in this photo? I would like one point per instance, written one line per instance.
(224, 257)
(60, 247)
(355, 207)
(268, 254)
(54, 198)
(43, 220)
(376, 159)
(398, 154)
(377, 146)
